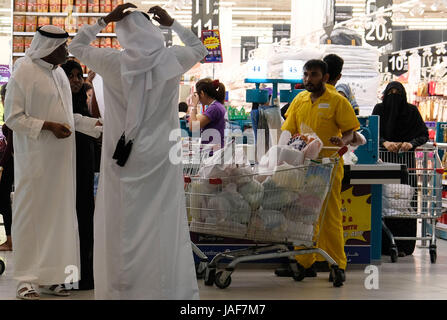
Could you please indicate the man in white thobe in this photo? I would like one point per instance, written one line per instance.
(38, 108)
(142, 247)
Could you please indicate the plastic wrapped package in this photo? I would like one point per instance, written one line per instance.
(20, 5)
(65, 4)
(27, 43)
(115, 44)
(253, 193)
(32, 6)
(19, 24)
(59, 22)
(18, 44)
(276, 198)
(287, 176)
(268, 220)
(81, 6)
(109, 28)
(31, 24)
(80, 21)
(398, 191)
(93, 6)
(199, 193)
(70, 24)
(42, 5)
(42, 21)
(55, 5)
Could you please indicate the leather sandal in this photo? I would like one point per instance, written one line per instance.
(29, 293)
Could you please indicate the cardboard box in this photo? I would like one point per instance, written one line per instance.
(18, 44)
(30, 23)
(19, 24)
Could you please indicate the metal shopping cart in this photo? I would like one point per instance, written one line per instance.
(420, 199)
(277, 210)
(193, 156)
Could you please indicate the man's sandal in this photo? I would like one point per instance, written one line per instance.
(55, 290)
(26, 291)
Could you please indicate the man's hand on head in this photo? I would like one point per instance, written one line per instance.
(161, 16)
(118, 13)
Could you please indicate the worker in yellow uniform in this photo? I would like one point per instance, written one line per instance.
(332, 118)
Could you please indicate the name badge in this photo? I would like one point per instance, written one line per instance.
(323, 106)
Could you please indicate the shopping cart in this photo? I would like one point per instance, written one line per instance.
(420, 199)
(193, 156)
(277, 210)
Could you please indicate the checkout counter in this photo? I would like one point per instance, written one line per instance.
(361, 190)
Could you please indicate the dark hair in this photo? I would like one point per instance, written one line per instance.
(70, 65)
(318, 64)
(182, 107)
(335, 65)
(87, 86)
(214, 89)
(3, 90)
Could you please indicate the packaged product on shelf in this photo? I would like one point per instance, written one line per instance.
(31, 24)
(18, 44)
(59, 22)
(113, 26)
(31, 6)
(93, 6)
(42, 5)
(55, 5)
(107, 42)
(20, 5)
(115, 44)
(81, 6)
(65, 4)
(19, 24)
(92, 20)
(27, 43)
(70, 24)
(107, 5)
(43, 21)
(81, 21)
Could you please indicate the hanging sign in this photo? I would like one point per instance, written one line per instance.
(204, 15)
(211, 40)
(256, 69)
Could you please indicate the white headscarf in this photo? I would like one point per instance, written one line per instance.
(145, 63)
(44, 45)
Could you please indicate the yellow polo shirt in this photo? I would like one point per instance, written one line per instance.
(329, 116)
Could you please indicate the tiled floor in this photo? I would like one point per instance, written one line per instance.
(412, 277)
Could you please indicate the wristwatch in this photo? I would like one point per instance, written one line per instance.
(101, 22)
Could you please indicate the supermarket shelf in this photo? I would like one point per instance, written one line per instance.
(45, 14)
(24, 34)
(79, 14)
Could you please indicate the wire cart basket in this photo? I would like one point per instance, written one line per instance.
(277, 210)
(420, 199)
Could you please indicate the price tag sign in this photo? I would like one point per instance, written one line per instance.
(256, 69)
(292, 69)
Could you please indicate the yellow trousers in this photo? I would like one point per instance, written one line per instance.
(330, 225)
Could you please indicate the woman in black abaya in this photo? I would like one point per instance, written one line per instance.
(401, 129)
(85, 204)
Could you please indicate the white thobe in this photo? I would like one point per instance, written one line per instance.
(44, 223)
(142, 247)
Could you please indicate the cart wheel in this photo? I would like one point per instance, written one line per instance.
(337, 276)
(201, 269)
(433, 253)
(210, 276)
(393, 253)
(222, 284)
(2, 267)
(300, 274)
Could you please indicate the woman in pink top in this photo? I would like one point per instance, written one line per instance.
(212, 121)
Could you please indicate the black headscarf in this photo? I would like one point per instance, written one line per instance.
(80, 98)
(400, 121)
